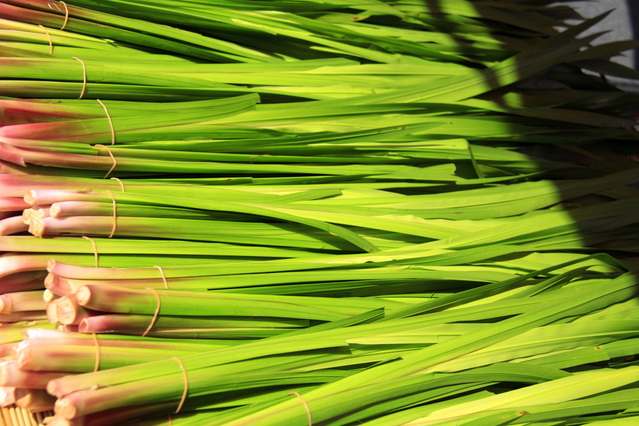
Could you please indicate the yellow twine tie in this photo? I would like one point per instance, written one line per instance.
(84, 77)
(48, 37)
(95, 249)
(66, 15)
(106, 111)
(166, 285)
(115, 214)
(97, 353)
(308, 410)
(155, 315)
(66, 11)
(120, 182)
(186, 384)
(115, 163)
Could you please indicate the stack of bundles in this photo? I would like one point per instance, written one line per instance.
(329, 213)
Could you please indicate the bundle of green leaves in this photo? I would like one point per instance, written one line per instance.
(329, 213)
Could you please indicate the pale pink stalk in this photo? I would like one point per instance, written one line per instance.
(21, 14)
(59, 421)
(12, 169)
(40, 171)
(11, 375)
(40, 357)
(14, 332)
(53, 357)
(13, 225)
(89, 272)
(22, 281)
(22, 142)
(116, 416)
(45, 333)
(22, 301)
(17, 185)
(40, 336)
(46, 197)
(7, 396)
(67, 328)
(132, 226)
(11, 155)
(6, 349)
(23, 316)
(92, 273)
(69, 312)
(58, 286)
(34, 400)
(202, 333)
(81, 208)
(35, 213)
(78, 225)
(72, 383)
(115, 323)
(12, 204)
(97, 399)
(48, 296)
(138, 324)
(68, 130)
(12, 263)
(102, 208)
(19, 111)
(52, 311)
(65, 130)
(7, 286)
(74, 405)
(23, 156)
(63, 286)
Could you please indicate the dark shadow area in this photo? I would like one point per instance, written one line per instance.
(568, 105)
(633, 10)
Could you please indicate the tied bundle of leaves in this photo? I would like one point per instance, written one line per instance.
(320, 213)
(392, 383)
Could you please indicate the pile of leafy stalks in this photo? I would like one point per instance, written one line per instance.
(316, 213)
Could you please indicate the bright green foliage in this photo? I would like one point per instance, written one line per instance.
(383, 212)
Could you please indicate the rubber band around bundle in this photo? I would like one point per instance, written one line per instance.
(48, 37)
(95, 249)
(106, 111)
(308, 410)
(66, 12)
(84, 77)
(96, 367)
(114, 227)
(66, 15)
(186, 384)
(120, 182)
(166, 285)
(157, 311)
(115, 162)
